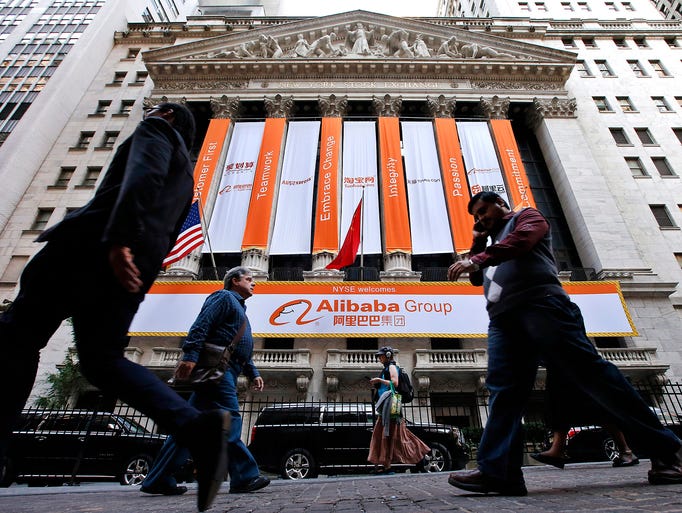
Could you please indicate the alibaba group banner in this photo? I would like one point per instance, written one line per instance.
(514, 172)
(366, 309)
(208, 158)
(327, 210)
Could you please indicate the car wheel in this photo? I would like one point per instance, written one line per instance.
(438, 460)
(298, 464)
(135, 469)
(610, 449)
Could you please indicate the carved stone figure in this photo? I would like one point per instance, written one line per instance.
(419, 47)
(476, 51)
(323, 47)
(397, 44)
(239, 52)
(449, 48)
(269, 47)
(302, 47)
(358, 40)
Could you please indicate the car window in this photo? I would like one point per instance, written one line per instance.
(355, 417)
(289, 416)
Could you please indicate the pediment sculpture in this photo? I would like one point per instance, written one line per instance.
(359, 40)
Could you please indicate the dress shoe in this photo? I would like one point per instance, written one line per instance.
(251, 486)
(476, 481)
(625, 459)
(163, 490)
(557, 462)
(665, 473)
(206, 438)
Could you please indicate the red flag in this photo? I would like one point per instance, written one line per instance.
(351, 243)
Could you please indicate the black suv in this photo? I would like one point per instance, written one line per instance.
(54, 446)
(299, 440)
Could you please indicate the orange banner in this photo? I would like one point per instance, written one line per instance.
(514, 172)
(327, 210)
(396, 219)
(208, 158)
(258, 220)
(457, 193)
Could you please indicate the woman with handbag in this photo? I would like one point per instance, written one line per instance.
(391, 441)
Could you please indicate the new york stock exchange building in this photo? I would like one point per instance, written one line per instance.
(301, 120)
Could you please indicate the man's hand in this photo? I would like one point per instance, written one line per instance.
(183, 370)
(463, 266)
(125, 270)
(258, 384)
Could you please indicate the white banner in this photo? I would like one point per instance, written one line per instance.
(376, 309)
(480, 158)
(291, 234)
(226, 228)
(360, 169)
(428, 213)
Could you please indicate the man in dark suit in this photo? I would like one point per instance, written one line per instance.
(96, 268)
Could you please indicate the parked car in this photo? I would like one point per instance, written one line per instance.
(594, 443)
(300, 440)
(51, 446)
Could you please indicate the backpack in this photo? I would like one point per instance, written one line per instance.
(404, 388)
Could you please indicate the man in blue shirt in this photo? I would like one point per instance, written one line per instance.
(218, 322)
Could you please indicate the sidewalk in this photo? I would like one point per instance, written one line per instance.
(594, 487)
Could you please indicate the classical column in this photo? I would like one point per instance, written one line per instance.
(257, 259)
(331, 106)
(188, 268)
(397, 264)
(598, 226)
(441, 107)
(495, 107)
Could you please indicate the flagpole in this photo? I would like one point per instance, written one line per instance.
(362, 227)
(208, 240)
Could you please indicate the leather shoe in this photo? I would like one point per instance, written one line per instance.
(206, 438)
(665, 473)
(163, 490)
(625, 459)
(476, 481)
(550, 460)
(251, 486)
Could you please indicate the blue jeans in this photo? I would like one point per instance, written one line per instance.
(552, 329)
(242, 466)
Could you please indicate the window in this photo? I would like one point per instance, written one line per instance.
(636, 67)
(119, 77)
(523, 6)
(540, 6)
(626, 104)
(91, 175)
(663, 166)
(126, 107)
(41, 219)
(619, 136)
(628, 6)
(678, 257)
(140, 77)
(620, 42)
(640, 42)
(14, 268)
(636, 166)
(661, 104)
(583, 70)
(672, 42)
(102, 107)
(589, 42)
(645, 136)
(84, 140)
(602, 104)
(678, 99)
(109, 139)
(133, 53)
(662, 216)
(568, 42)
(604, 69)
(659, 69)
(65, 175)
(566, 6)
(611, 6)
(584, 6)
(678, 134)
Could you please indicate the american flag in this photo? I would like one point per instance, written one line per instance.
(191, 236)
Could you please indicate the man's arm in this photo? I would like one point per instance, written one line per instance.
(214, 310)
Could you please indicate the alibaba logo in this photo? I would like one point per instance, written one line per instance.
(296, 309)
